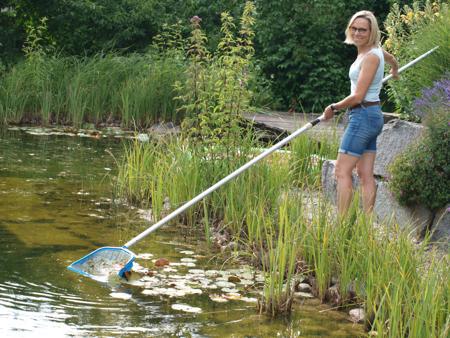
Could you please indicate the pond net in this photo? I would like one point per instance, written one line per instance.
(104, 262)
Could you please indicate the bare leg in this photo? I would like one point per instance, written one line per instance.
(368, 187)
(344, 167)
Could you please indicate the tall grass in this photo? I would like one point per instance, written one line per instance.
(136, 90)
(404, 292)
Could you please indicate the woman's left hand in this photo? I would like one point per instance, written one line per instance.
(394, 73)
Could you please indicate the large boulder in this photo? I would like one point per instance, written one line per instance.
(397, 135)
(441, 228)
(386, 208)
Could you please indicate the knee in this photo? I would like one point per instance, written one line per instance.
(342, 172)
(365, 177)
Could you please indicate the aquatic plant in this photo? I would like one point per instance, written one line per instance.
(378, 267)
(136, 90)
(280, 244)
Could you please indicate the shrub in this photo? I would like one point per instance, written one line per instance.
(413, 30)
(433, 98)
(299, 45)
(422, 174)
(216, 92)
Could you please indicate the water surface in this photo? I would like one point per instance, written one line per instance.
(55, 207)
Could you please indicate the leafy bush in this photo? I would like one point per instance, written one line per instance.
(301, 50)
(216, 92)
(413, 30)
(422, 174)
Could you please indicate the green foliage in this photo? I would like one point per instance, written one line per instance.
(300, 46)
(308, 155)
(412, 31)
(38, 42)
(422, 174)
(216, 87)
(11, 34)
(90, 26)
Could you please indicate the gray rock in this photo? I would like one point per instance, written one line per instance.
(304, 287)
(389, 210)
(386, 206)
(397, 135)
(441, 228)
(357, 315)
(303, 295)
(329, 183)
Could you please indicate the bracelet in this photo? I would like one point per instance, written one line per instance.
(333, 108)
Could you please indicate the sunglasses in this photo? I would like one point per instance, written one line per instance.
(358, 30)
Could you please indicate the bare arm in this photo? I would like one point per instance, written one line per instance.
(368, 69)
(392, 61)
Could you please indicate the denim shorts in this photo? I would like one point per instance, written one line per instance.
(364, 126)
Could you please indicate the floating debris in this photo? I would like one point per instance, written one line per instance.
(186, 308)
(162, 262)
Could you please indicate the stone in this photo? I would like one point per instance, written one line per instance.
(234, 279)
(303, 295)
(386, 206)
(333, 295)
(304, 287)
(357, 315)
(396, 136)
(441, 228)
(329, 183)
(388, 209)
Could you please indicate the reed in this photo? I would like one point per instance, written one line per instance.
(377, 265)
(281, 243)
(136, 90)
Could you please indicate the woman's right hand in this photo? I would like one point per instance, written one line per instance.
(328, 113)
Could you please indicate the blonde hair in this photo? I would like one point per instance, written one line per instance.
(375, 35)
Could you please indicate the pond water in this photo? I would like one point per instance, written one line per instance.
(55, 207)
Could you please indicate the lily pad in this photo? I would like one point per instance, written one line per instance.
(186, 308)
(225, 284)
(120, 295)
(144, 256)
(218, 298)
(249, 299)
(232, 296)
(230, 290)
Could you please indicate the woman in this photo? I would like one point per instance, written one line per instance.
(358, 145)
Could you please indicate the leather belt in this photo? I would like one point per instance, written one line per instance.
(366, 104)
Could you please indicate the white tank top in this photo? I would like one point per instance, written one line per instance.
(373, 92)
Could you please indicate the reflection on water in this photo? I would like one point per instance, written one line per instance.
(55, 207)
